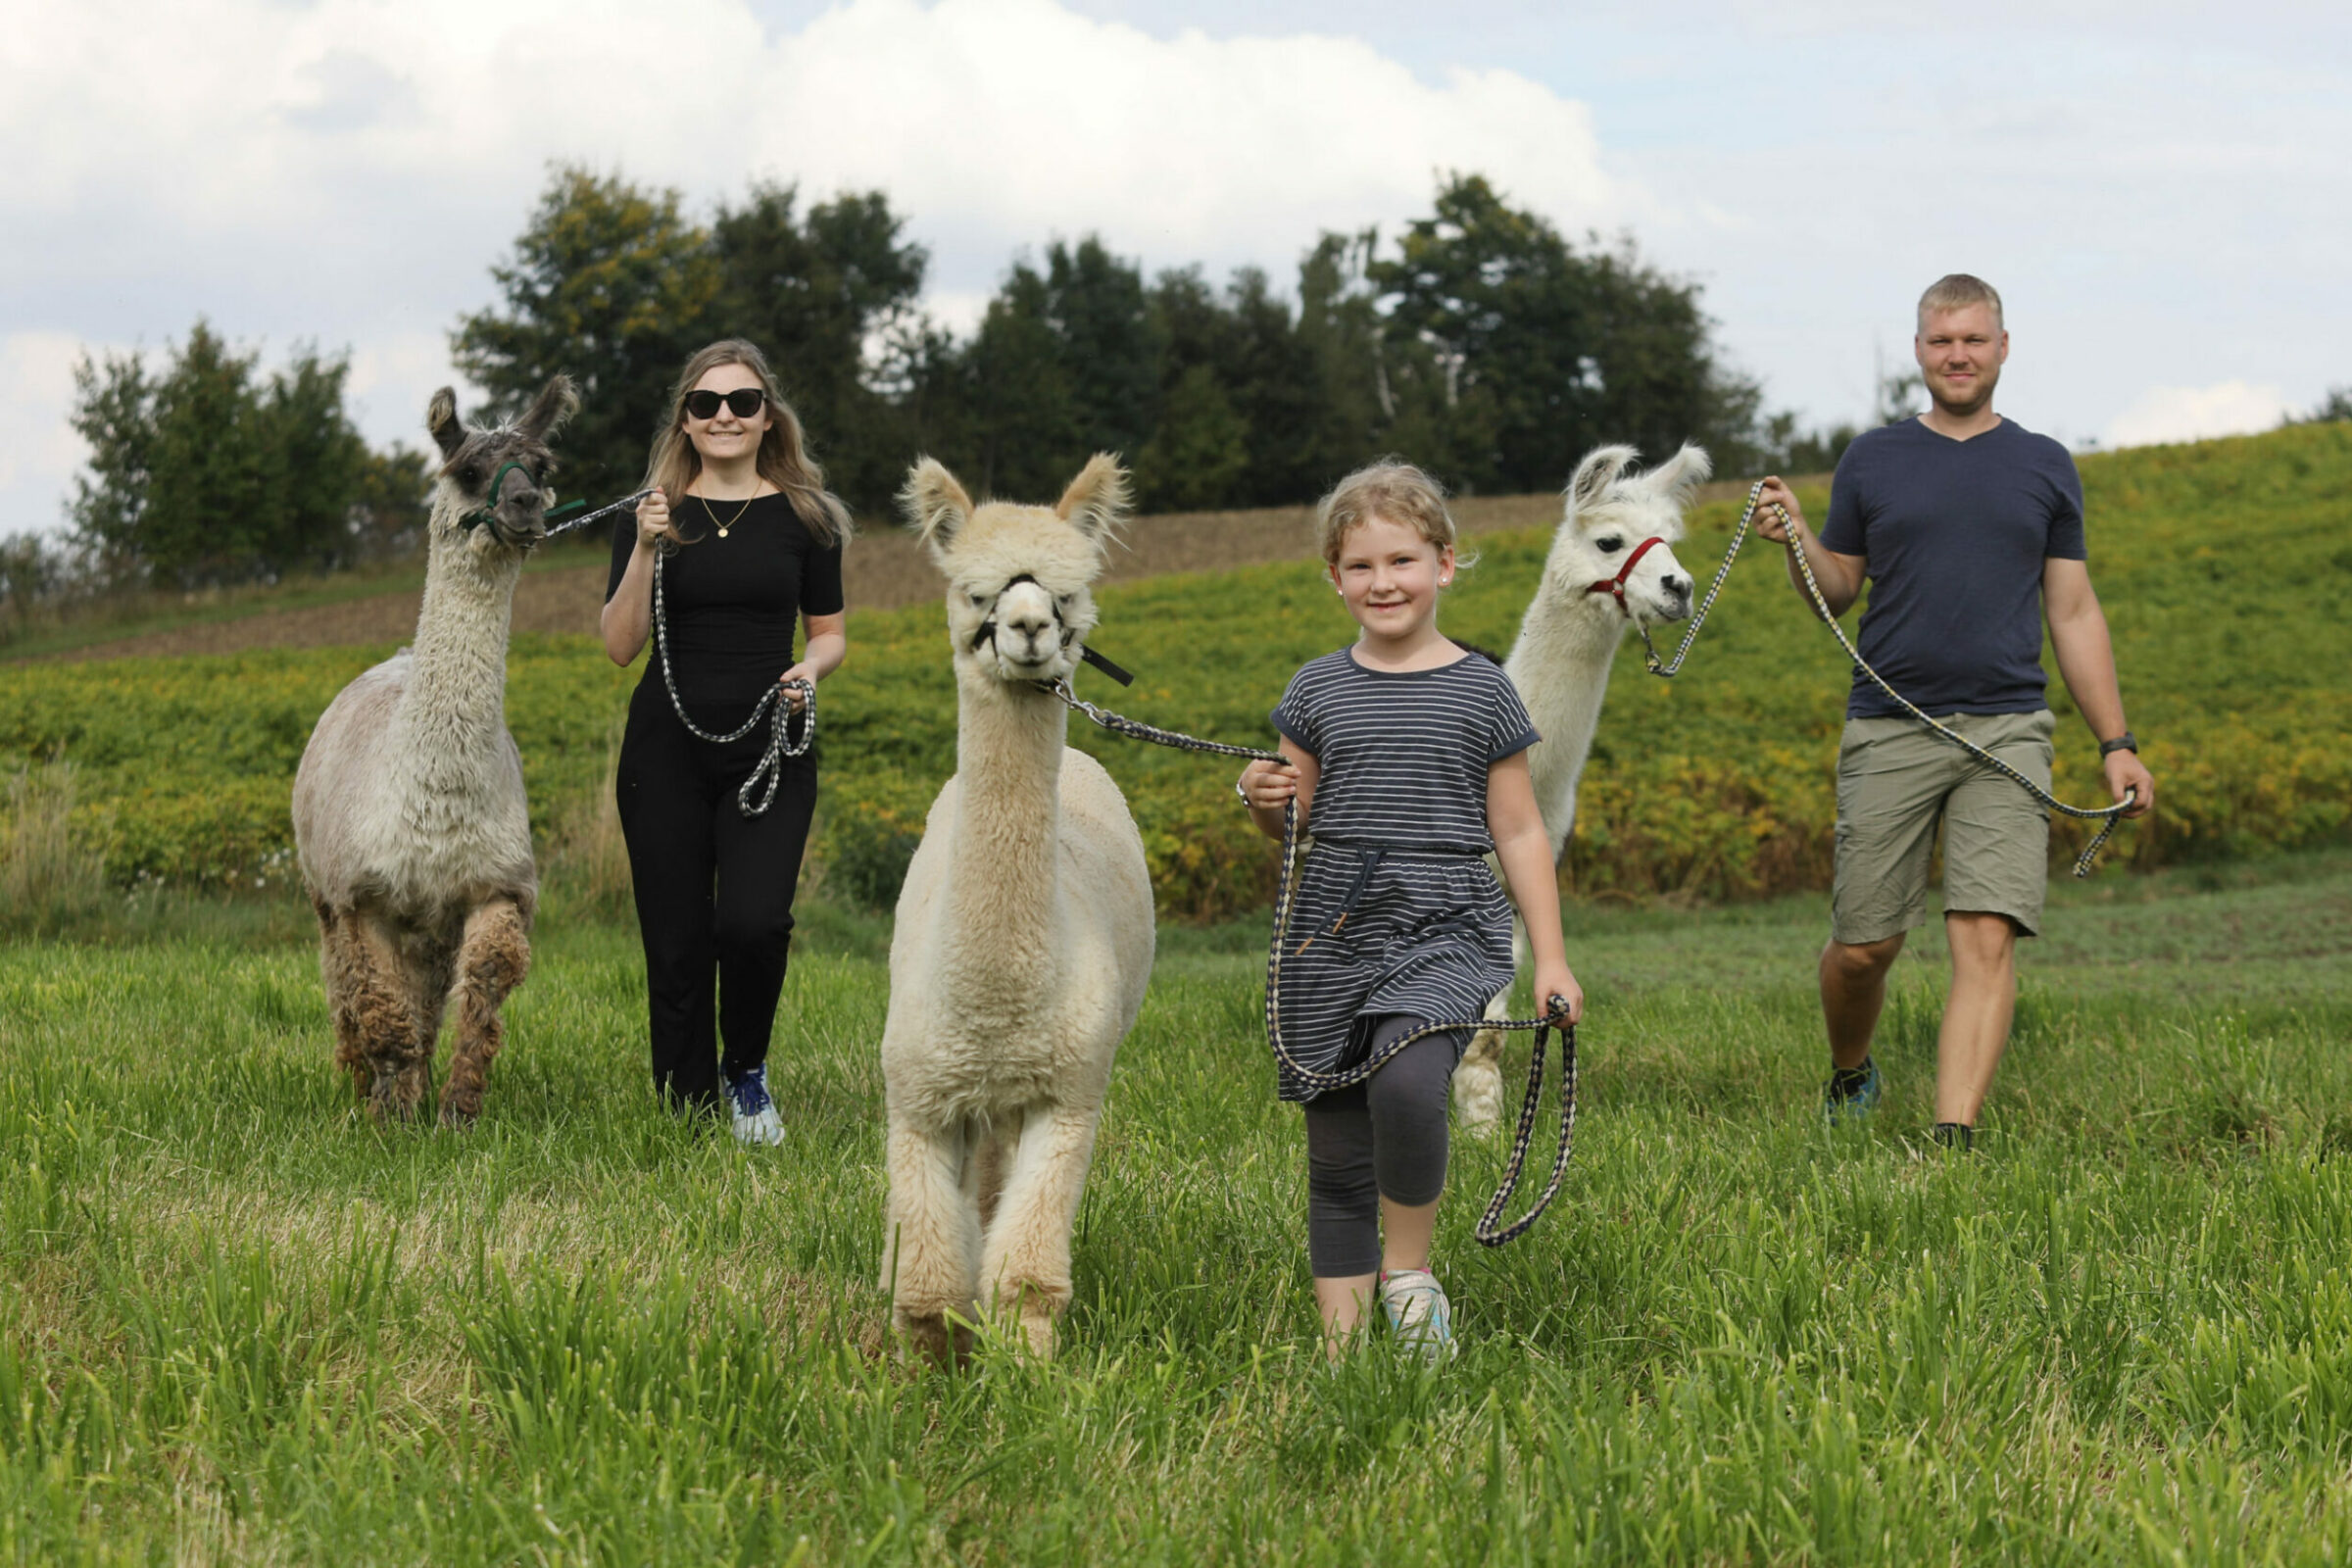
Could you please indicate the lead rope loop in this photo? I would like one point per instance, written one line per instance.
(1490, 1230)
(2107, 816)
(771, 705)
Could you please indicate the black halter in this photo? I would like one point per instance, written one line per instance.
(988, 631)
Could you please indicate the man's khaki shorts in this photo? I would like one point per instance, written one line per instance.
(1896, 780)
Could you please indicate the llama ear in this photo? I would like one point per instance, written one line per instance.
(1678, 478)
(441, 420)
(1098, 500)
(557, 402)
(934, 504)
(1600, 470)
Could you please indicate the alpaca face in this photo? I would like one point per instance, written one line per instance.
(492, 491)
(1021, 579)
(1610, 512)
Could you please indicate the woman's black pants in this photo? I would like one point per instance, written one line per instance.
(714, 889)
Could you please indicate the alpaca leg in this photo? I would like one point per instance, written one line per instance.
(376, 1023)
(1026, 1262)
(492, 959)
(342, 968)
(991, 1163)
(1478, 1081)
(933, 1241)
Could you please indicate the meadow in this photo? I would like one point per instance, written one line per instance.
(240, 1324)
(2223, 567)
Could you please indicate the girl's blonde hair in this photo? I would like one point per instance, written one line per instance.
(783, 459)
(1392, 489)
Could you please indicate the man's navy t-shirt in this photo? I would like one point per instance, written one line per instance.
(1955, 534)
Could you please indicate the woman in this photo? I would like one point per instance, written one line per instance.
(749, 539)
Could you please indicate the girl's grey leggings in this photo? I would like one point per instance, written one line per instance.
(1382, 1138)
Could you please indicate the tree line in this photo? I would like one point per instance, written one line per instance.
(1479, 340)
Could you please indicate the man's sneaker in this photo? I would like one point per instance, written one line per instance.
(1419, 1316)
(755, 1118)
(1851, 1091)
(1956, 1135)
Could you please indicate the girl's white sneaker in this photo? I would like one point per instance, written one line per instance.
(1419, 1316)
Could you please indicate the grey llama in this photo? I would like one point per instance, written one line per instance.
(410, 821)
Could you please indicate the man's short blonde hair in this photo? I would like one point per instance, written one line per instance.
(1957, 291)
(1391, 488)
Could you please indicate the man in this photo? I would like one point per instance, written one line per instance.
(1970, 528)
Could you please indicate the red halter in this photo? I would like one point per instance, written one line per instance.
(1616, 585)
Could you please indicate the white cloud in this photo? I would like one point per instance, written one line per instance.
(2193, 412)
(345, 171)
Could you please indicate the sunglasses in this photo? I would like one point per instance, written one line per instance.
(745, 400)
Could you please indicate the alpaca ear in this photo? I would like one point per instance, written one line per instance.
(1098, 502)
(1678, 478)
(1600, 470)
(557, 402)
(441, 420)
(934, 504)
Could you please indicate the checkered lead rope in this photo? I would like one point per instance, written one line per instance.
(583, 521)
(773, 706)
(1491, 1231)
(2107, 816)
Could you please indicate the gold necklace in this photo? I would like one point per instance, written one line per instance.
(739, 511)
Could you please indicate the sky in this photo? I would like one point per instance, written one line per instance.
(2158, 189)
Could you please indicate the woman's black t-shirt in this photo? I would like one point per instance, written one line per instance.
(733, 603)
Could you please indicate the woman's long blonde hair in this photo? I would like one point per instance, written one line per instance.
(783, 459)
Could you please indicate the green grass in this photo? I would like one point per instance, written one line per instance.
(238, 1323)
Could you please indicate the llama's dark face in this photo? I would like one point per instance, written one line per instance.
(493, 492)
(1611, 512)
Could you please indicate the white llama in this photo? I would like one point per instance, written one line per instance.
(1024, 933)
(409, 814)
(1593, 589)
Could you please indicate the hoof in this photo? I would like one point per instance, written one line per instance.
(460, 1114)
(1037, 1330)
(395, 1097)
(935, 1338)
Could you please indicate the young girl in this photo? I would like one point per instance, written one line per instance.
(1407, 758)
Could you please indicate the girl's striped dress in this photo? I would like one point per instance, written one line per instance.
(1396, 911)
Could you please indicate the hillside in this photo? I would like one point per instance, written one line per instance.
(2221, 566)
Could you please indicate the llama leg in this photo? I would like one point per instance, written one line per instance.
(933, 1238)
(376, 1023)
(991, 1163)
(492, 960)
(342, 968)
(1478, 1081)
(1026, 1262)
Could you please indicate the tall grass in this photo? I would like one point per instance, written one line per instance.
(238, 1323)
(52, 876)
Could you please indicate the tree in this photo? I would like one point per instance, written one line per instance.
(1530, 353)
(1026, 421)
(610, 284)
(207, 474)
(825, 298)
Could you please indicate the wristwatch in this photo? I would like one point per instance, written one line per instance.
(2126, 742)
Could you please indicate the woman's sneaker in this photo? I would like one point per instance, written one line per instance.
(1851, 1091)
(1419, 1316)
(756, 1120)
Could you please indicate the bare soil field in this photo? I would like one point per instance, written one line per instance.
(884, 569)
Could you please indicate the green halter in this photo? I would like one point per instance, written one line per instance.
(482, 515)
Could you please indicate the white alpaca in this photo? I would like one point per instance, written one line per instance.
(410, 821)
(1561, 663)
(1024, 933)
